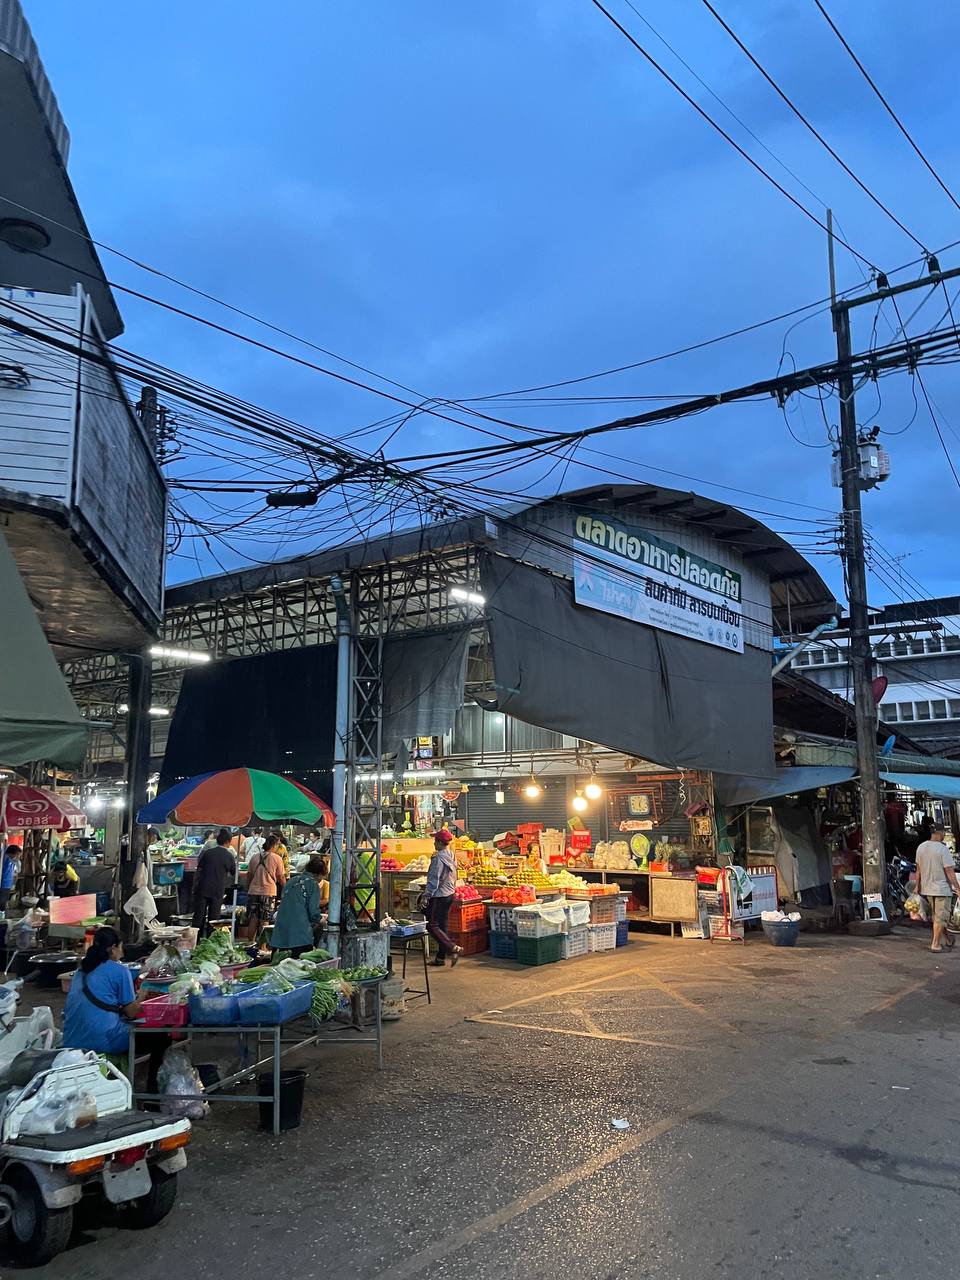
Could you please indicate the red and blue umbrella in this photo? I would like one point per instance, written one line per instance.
(234, 797)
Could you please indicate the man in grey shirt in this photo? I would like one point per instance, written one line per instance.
(937, 880)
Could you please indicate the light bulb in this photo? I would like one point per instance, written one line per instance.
(593, 791)
(531, 790)
(499, 797)
(579, 803)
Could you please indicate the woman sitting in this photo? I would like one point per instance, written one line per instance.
(299, 909)
(101, 1003)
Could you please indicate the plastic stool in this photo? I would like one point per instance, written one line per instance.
(873, 908)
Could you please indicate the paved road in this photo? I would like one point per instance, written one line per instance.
(791, 1113)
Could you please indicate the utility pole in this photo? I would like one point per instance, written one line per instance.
(861, 655)
(342, 777)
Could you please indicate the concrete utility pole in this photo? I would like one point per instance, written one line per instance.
(861, 654)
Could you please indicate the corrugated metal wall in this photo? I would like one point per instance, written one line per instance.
(485, 818)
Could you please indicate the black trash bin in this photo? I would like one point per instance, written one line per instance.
(291, 1098)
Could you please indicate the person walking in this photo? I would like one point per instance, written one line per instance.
(216, 868)
(937, 880)
(9, 870)
(441, 882)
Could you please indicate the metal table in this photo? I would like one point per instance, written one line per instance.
(272, 1034)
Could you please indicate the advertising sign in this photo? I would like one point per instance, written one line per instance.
(627, 572)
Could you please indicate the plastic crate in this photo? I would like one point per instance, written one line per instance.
(472, 943)
(622, 900)
(604, 910)
(575, 942)
(260, 1007)
(531, 924)
(503, 945)
(211, 1009)
(623, 933)
(539, 950)
(602, 937)
(161, 1011)
(405, 931)
(502, 919)
(465, 917)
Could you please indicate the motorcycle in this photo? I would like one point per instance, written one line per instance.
(69, 1134)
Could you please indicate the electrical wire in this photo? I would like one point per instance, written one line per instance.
(812, 128)
(890, 111)
(723, 133)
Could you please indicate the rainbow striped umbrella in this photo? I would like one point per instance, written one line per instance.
(233, 797)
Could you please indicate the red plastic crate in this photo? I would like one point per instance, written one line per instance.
(473, 943)
(161, 1011)
(467, 917)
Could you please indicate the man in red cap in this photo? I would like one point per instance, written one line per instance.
(441, 882)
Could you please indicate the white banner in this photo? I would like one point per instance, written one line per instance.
(633, 574)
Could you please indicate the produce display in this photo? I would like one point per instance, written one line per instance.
(486, 877)
(534, 877)
(164, 962)
(219, 950)
(362, 973)
(418, 864)
(465, 893)
(390, 864)
(567, 880)
(516, 896)
(324, 1002)
(614, 855)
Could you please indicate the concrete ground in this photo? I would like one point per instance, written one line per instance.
(791, 1113)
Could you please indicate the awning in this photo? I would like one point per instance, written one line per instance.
(734, 789)
(940, 785)
(39, 719)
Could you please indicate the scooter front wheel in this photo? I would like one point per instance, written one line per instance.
(35, 1233)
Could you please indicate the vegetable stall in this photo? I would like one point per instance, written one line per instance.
(280, 1007)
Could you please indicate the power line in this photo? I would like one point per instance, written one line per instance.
(812, 128)
(723, 133)
(890, 111)
(933, 416)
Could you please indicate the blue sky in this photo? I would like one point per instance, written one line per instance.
(480, 196)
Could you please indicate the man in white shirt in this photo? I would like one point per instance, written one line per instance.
(937, 880)
(251, 844)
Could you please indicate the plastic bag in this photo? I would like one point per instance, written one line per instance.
(141, 906)
(164, 961)
(275, 983)
(178, 1075)
(916, 907)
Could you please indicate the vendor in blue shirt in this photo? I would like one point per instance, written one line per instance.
(101, 1000)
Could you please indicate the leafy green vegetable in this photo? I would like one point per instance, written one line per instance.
(324, 1003)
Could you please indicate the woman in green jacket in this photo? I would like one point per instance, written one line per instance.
(299, 909)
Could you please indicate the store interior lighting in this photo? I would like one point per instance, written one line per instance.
(579, 802)
(154, 711)
(467, 597)
(179, 655)
(533, 789)
(593, 789)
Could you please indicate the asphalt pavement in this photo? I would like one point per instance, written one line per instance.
(782, 1112)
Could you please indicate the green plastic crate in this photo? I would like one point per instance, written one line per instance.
(539, 950)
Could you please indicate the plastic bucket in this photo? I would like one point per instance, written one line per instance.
(291, 1098)
(781, 933)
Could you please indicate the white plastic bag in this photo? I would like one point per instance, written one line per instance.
(141, 906)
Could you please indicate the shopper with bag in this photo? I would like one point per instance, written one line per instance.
(937, 880)
(438, 897)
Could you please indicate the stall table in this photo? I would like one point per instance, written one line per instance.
(272, 1034)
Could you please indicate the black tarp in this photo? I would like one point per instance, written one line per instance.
(663, 698)
(276, 711)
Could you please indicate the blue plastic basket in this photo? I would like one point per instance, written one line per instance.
(260, 1008)
(168, 872)
(211, 1009)
(503, 945)
(622, 933)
